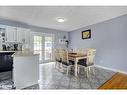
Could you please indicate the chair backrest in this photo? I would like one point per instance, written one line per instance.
(81, 51)
(57, 54)
(90, 56)
(64, 55)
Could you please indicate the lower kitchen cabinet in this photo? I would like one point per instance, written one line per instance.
(6, 61)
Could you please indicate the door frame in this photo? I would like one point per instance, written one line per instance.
(43, 35)
(53, 36)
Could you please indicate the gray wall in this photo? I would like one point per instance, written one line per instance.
(58, 34)
(110, 40)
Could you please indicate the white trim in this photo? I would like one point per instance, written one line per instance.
(115, 70)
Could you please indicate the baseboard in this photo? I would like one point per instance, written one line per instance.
(115, 70)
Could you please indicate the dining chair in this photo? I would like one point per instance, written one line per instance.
(81, 51)
(66, 63)
(58, 60)
(88, 63)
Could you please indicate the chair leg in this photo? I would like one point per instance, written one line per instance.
(68, 68)
(93, 71)
(56, 65)
(87, 72)
(67, 72)
(89, 69)
(61, 67)
(78, 69)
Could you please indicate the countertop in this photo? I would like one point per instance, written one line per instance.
(1, 51)
(20, 53)
(23, 54)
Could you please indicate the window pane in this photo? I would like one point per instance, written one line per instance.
(38, 46)
(48, 48)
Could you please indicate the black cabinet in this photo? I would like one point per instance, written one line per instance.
(6, 61)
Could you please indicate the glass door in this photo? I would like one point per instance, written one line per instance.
(38, 46)
(48, 48)
(43, 45)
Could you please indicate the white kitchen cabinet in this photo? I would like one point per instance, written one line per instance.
(17, 34)
(20, 35)
(27, 36)
(11, 34)
(2, 34)
(23, 35)
(26, 69)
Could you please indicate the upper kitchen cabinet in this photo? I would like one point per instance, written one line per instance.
(20, 35)
(11, 34)
(26, 36)
(2, 27)
(14, 34)
(2, 33)
(23, 35)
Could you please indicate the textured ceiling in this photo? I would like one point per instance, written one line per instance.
(76, 16)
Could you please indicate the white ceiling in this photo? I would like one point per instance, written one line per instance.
(76, 16)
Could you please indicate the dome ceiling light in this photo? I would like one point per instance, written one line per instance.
(60, 19)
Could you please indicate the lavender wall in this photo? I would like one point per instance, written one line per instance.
(110, 40)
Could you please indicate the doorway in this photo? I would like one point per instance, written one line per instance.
(43, 45)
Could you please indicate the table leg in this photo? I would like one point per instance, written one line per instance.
(76, 68)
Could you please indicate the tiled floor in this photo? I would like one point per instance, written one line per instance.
(53, 79)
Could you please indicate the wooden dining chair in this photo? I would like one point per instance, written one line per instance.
(88, 63)
(58, 59)
(81, 51)
(66, 63)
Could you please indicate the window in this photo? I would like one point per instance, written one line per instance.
(38, 46)
(48, 48)
(43, 45)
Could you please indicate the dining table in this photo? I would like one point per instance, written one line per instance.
(76, 57)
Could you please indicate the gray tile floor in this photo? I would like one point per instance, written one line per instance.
(53, 79)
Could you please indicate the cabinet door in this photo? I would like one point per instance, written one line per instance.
(27, 36)
(23, 35)
(15, 34)
(11, 33)
(2, 34)
(20, 35)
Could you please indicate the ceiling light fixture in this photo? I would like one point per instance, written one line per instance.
(60, 20)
